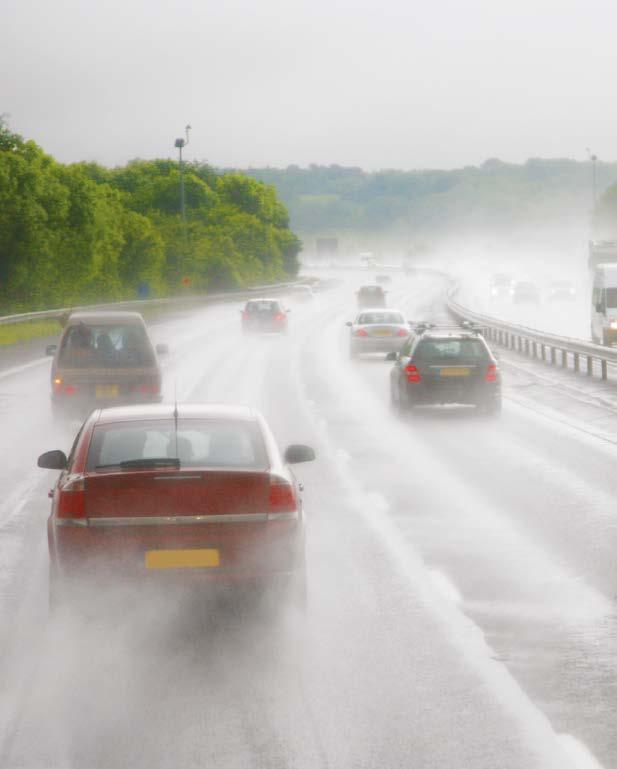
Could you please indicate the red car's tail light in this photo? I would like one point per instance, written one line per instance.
(72, 498)
(402, 332)
(279, 316)
(281, 499)
(245, 315)
(360, 332)
(412, 373)
(491, 373)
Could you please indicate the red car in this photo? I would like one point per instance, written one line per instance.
(161, 492)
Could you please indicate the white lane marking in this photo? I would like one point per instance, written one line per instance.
(580, 754)
(24, 367)
(467, 637)
(445, 586)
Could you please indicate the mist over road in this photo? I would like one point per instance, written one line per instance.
(461, 578)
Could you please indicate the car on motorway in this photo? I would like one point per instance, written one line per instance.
(377, 330)
(371, 296)
(561, 291)
(302, 293)
(264, 316)
(604, 304)
(173, 493)
(103, 358)
(525, 292)
(442, 365)
(501, 286)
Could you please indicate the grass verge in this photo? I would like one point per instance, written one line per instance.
(15, 333)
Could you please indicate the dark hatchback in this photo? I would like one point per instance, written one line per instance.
(263, 316)
(102, 359)
(445, 366)
(371, 296)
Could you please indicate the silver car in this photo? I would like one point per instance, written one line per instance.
(377, 330)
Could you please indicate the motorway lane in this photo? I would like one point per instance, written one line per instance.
(406, 541)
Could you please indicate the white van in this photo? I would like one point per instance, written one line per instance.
(604, 304)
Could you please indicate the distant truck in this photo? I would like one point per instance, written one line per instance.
(326, 247)
(602, 252)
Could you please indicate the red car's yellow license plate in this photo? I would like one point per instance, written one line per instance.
(106, 391)
(206, 558)
(454, 372)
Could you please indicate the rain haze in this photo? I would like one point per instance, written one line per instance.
(394, 84)
(308, 414)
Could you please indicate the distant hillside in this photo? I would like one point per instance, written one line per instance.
(409, 205)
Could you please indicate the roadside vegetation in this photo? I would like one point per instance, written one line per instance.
(80, 233)
(16, 333)
(495, 198)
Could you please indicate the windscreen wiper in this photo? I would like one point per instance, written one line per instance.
(144, 462)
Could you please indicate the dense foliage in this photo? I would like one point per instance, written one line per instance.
(72, 234)
(494, 197)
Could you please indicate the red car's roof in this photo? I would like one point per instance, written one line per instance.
(149, 411)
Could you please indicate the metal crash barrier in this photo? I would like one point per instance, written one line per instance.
(561, 351)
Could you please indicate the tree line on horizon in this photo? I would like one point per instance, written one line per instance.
(80, 233)
(496, 197)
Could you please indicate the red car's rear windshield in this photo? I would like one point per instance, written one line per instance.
(196, 443)
(106, 346)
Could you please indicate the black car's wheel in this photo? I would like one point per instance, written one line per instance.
(400, 397)
(394, 402)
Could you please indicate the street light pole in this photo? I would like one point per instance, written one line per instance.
(594, 159)
(180, 144)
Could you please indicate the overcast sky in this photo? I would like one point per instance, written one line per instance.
(370, 83)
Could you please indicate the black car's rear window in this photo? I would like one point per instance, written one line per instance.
(438, 350)
(106, 346)
(196, 443)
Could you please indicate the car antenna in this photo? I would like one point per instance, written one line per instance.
(176, 420)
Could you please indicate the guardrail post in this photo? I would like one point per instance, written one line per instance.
(553, 356)
(534, 348)
(589, 365)
(543, 352)
(577, 365)
(564, 359)
(604, 370)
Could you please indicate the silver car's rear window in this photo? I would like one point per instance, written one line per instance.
(196, 443)
(370, 318)
(106, 346)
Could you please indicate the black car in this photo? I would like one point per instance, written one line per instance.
(445, 365)
(264, 315)
(371, 296)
